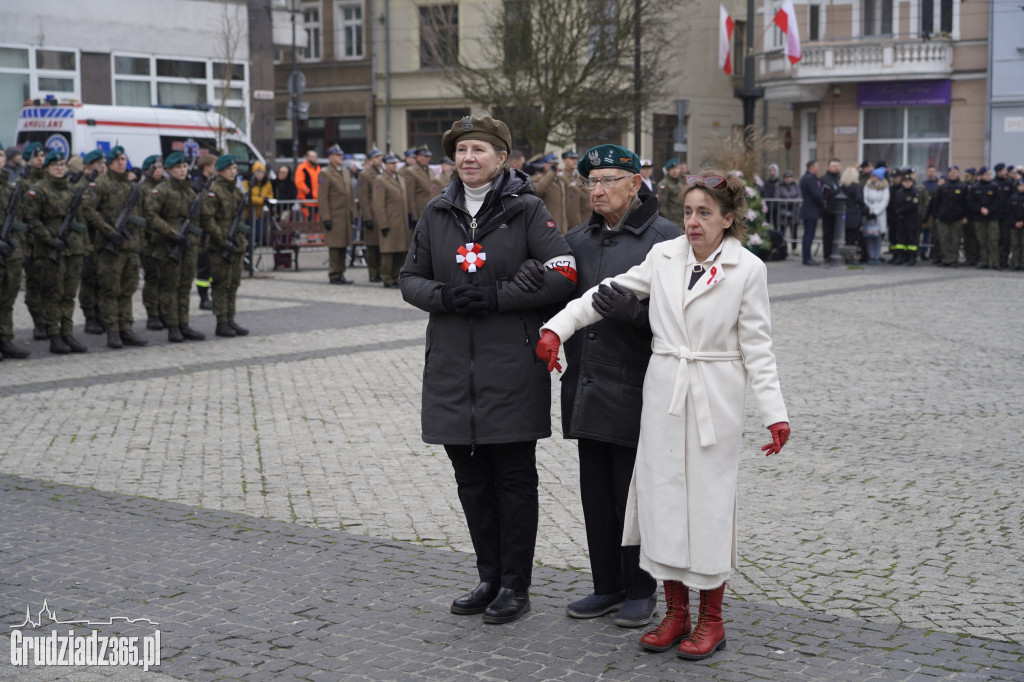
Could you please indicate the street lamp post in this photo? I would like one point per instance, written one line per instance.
(294, 93)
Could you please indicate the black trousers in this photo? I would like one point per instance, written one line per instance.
(605, 472)
(828, 235)
(498, 490)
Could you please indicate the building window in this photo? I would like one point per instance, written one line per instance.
(907, 136)
(439, 36)
(936, 17)
(739, 48)
(35, 73)
(518, 31)
(427, 126)
(153, 81)
(665, 126)
(348, 27)
(311, 25)
(876, 18)
(814, 23)
(604, 29)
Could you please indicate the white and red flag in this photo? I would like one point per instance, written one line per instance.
(785, 19)
(725, 28)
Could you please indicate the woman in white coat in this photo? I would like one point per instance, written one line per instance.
(876, 196)
(710, 317)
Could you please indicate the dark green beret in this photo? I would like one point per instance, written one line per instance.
(150, 160)
(30, 150)
(53, 156)
(609, 156)
(671, 163)
(114, 153)
(173, 159)
(93, 156)
(477, 128)
(224, 161)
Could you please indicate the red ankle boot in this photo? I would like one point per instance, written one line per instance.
(676, 623)
(709, 635)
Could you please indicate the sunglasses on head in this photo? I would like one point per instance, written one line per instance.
(711, 181)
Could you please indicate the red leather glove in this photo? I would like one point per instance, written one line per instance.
(547, 349)
(780, 434)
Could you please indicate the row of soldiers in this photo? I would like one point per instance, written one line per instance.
(99, 228)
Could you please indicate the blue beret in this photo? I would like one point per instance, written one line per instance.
(334, 149)
(671, 163)
(114, 153)
(971, 171)
(30, 150)
(956, 168)
(982, 170)
(609, 156)
(391, 158)
(173, 159)
(224, 161)
(150, 160)
(998, 167)
(53, 156)
(93, 156)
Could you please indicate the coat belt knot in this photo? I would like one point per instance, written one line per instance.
(690, 382)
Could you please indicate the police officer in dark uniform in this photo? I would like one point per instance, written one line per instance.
(950, 214)
(984, 203)
(1006, 190)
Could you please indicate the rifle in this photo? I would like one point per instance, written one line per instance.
(11, 223)
(69, 223)
(128, 217)
(229, 252)
(186, 223)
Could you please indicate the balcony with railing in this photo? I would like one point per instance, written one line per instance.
(861, 60)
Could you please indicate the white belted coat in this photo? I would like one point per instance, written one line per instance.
(707, 342)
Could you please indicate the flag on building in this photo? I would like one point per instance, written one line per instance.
(785, 19)
(725, 28)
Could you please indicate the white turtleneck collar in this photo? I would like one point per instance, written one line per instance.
(475, 197)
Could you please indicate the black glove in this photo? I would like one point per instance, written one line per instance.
(117, 239)
(474, 299)
(181, 240)
(530, 275)
(58, 246)
(384, 231)
(447, 298)
(6, 250)
(871, 216)
(367, 225)
(617, 303)
(327, 225)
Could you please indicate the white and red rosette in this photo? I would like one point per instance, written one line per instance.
(470, 257)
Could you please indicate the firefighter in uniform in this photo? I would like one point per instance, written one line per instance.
(219, 207)
(984, 206)
(390, 199)
(336, 204)
(906, 210)
(116, 257)
(165, 209)
(670, 189)
(10, 270)
(57, 262)
(364, 192)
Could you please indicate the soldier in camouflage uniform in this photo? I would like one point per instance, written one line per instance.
(33, 155)
(153, 169)
(670, 189)
(88, 298)
(46, 204)
(165, 208)
(219, 207)
(10, 270)
(116, 258)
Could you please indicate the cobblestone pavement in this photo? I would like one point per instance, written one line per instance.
(890, 523)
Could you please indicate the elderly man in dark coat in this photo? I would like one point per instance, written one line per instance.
(602, 390)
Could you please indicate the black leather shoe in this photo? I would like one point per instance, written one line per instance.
(191, 334)
(239, 329)
(93, 327)
(154, 323)
(129, 338)
(39, 332)
(508, 606)
(475, 601)
(376, 278)
(9, 350)
(74, 344)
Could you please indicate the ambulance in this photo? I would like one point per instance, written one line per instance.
(76, 128)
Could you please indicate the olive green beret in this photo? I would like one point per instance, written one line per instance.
(224, 161)
(114, 153)
(30, 149)
(477, 128)
(173, 159)
(53, 156)
(150, 160)
(93, 156)
(609, 156)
